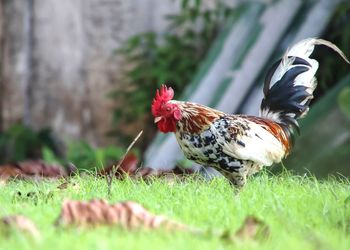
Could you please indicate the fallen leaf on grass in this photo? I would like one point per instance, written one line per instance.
(31, 169)
(41, 169)
(171, 176)
(127, 215)
(20, 223)
(8, 171)
(68, 183)
(129, 167)
(63, 185)
(252, 228)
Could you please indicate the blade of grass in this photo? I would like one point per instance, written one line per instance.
(109, 177)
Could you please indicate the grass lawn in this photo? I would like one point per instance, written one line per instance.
(301, 213)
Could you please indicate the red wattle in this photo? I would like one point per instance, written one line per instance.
(167, 125)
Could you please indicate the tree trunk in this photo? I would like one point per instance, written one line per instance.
(2, 50)
(59, 61)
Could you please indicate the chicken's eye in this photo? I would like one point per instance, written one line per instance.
(168, 109)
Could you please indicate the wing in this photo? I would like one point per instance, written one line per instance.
(255, 139)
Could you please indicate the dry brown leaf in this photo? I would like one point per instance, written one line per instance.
(20, 223)
(30, 169)
(9, 171)
(41, 169)
(130, 165)
(68, 183)
(128, 215)
(63, 185)
(252, 228)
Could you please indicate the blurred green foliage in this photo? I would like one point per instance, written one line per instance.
(172, 57)
(84, 156)
(344, 101)
(332, 68)
(19, 142)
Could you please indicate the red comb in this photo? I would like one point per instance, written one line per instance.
(163, 95)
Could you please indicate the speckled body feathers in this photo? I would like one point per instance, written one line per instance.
(223, 142)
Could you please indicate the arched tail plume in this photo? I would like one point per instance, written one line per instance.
(290, 83)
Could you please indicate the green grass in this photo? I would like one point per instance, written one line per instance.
(301, 213)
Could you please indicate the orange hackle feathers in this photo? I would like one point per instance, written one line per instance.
(196, 117)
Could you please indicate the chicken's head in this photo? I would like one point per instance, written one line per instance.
(166, 112)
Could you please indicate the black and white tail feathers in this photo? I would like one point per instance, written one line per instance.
(290, 83)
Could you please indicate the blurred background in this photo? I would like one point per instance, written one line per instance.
(77, 77)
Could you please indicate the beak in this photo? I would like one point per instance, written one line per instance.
(157, 119)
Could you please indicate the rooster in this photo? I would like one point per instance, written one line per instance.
(240, 145)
